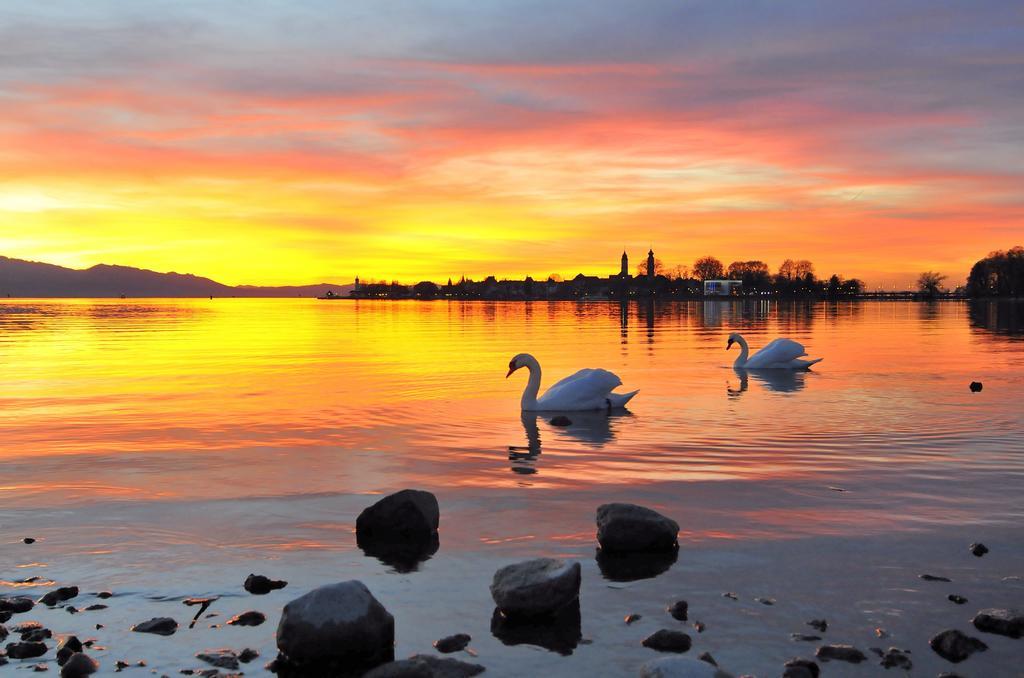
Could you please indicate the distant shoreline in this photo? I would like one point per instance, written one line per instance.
(868, 297)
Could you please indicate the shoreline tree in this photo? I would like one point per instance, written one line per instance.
(1000, 274)
(708, 268)
(929, 284)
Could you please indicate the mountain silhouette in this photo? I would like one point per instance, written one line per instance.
(20, 278)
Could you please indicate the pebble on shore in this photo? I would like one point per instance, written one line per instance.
(668, 640)
(844, 653)
(978, 549)
(259, 585)
(678, 610)
(454, 643)
(250, 618)
(161, 626)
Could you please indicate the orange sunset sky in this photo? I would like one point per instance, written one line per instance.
(297, 142)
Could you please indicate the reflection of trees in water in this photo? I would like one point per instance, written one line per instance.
(929, 311)
(833, 311)
(1004, 318)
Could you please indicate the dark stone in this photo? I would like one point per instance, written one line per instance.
(896, 659)
(979, 549)
(409, 514)
(536, 588)
(259, 585)
(818, 625)
(678, 610)
(667, 640)
(799, 667)
(699, 626)
(36, 635)
(247, 655)
(26, 650)
(843, 653)
(5, 616)
(3, 632)
(959, 600)
(625, 567)
(932, 577)
(765, 601)
(450, 644)
(250, 618)
(706, 657)
(561, 420)
(339, 625)
(16, 605)
(1004, 622)
(59, 595)
(67, 647)
(29, 540)
(103, 595)
(426, 666)
(79, 665)
(71, 609)
(40, 668)
(630, 528)
(630, 618)
(559, 633)
(802, 637)
(94, 608)
(730, 595)
(161, 626)
(222, 658)
(976, 386)
(955, 646)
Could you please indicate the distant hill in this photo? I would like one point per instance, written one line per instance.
(20, 278)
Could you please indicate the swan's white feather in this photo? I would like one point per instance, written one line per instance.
(588, 389)
(780, 352)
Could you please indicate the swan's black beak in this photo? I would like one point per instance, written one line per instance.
(510, 371)
(729, 345)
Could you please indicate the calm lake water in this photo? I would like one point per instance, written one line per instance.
(165, 448)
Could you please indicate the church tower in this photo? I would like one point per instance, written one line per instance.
(650, 264)
(625, 265)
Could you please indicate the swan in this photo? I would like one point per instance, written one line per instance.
(589, 389)
(779, 354)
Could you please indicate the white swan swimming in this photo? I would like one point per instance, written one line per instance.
(589, 389)
(779, 354)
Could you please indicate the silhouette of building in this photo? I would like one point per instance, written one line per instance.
(625, 265)
(650, 265)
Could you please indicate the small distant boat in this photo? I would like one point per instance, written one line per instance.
(331, 295)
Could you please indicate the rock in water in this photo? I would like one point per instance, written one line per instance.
(818, 624)
(798, 667)
(1004, 622)
(250, 618)
(954, 598)
(536, 588)
(222, 658)
(976, 386)
(979, 549)
(338, 625)
(844, 653)
(630, 618)
(16, 605)
(678, 610)
(406, 515)
(29, 540)
(162, 626)
(955, 646)
(259, 585)
(59, 596)
(667, 640)
(680, 667)
(561, 420)
(67, 648)
(425, 666)
(79, 665)
(895, 658)
(26, 650)
(932, 577)
(628, 527)
(450, 644)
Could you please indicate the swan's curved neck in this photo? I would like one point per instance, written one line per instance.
(741, 360)
(529, 401)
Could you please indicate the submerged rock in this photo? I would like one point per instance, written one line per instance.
(976, 386)
(678, 610)
(628, 528)
(803, 637)
(59, 595)
(799, 667)
(79, 665)
(16, 605)
(259, 585)
(26, 650)
(425, 666)
(955, 646)
(894, 658)
(222, 658)
(29, 540)
(247, 655)
(979, 549)
(560, 632)
(162, 626)
(536, 588)
(954, 598)
(1004, 622)
(668, 640)
(67, 647)
(932, 577)
(339, 625)
(706, 657)
(843, 653)
(818, 624)
(455, 643)
(680, 667)
(250, 618)
(630, 618)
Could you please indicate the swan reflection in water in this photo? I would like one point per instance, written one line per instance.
(779, 381)
(593, 429)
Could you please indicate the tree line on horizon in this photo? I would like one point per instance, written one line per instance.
(794, 276)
